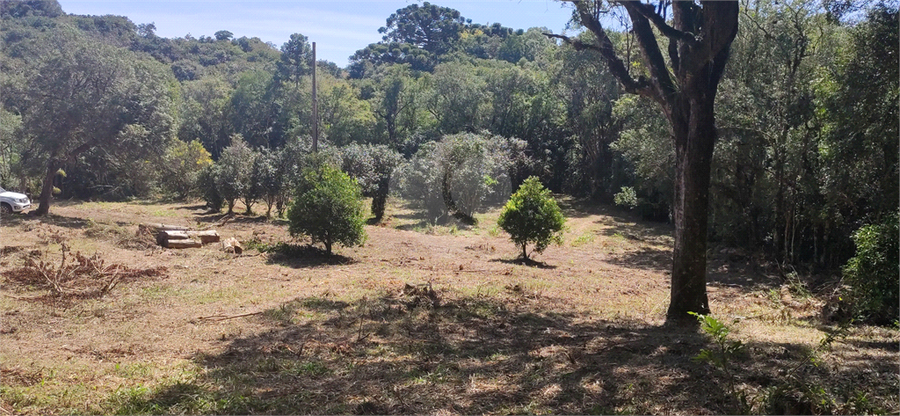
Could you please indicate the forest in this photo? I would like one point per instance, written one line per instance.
(750, 146)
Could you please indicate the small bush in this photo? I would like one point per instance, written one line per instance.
(327, 208)
(872, 274)
(532, 216)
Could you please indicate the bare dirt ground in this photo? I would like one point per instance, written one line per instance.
(421, 319)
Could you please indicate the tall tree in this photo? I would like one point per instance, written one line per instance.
(295, 56)
(429, 27)
(86, 96)
(697, 42)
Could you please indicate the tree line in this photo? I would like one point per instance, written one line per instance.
(806, 114)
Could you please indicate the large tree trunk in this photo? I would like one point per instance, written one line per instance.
(47, 189)
(693, 125)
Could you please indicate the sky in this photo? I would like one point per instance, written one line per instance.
(339, 27)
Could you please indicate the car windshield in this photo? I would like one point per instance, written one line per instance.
(2, 190)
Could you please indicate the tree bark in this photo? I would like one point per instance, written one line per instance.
(47, 189)
(695, 137)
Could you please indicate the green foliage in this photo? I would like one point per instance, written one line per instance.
(296, 54)
(723, 355)
(269, 177)
(872, 273)
(126, 113)
(460, 173)
(234, 173)
(327, 208)
(372, 167)
(184, 162)
(626, 198)
(532, 216)
(209, 192)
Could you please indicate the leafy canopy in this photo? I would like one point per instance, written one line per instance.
(328, 208)
(532, 216)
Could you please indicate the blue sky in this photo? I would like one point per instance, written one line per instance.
(338, 27)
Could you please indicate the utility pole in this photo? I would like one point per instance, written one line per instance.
(315, 104)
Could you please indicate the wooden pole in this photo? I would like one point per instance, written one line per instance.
(315, 103)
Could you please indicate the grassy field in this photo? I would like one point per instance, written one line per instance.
(421, 319)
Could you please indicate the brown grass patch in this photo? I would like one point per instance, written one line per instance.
(422, 319)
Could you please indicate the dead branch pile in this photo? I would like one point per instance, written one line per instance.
(77, 276)
(423, 295)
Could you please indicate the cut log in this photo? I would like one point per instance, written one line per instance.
(183, 244)
(206, 237)
(156, 227)
(164, 236)
(232, 245)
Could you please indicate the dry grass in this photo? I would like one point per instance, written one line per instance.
(422, 319)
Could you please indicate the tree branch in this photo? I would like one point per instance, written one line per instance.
(617, 68)
(652, 54)
(670, 32)
(719, 28)
(575, 43)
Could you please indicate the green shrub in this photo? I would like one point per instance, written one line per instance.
(327, 208)
(532, 216)
(872, 274)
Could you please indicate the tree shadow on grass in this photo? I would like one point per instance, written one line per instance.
(305, 256)
(470, 355)
(720, 271)
(529, 262)
(195, 207)
(644, 258)
(233, 218)
(61, 221)
(397, 354)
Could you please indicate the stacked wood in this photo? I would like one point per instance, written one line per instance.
(157, 227)
(181, 237)
(206, 237)
(189, 243)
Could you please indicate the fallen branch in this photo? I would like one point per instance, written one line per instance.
(21, 297)
(227, 317)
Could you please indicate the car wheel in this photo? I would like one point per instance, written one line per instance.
(6, 209)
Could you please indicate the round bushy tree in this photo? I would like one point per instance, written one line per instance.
(327, 208)
(532, 216)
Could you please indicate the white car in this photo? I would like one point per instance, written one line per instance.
(13, 202)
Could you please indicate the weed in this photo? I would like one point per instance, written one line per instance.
(724, 354)
(796, 286)
(774, 297)
(261, 246)
(586, 238)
